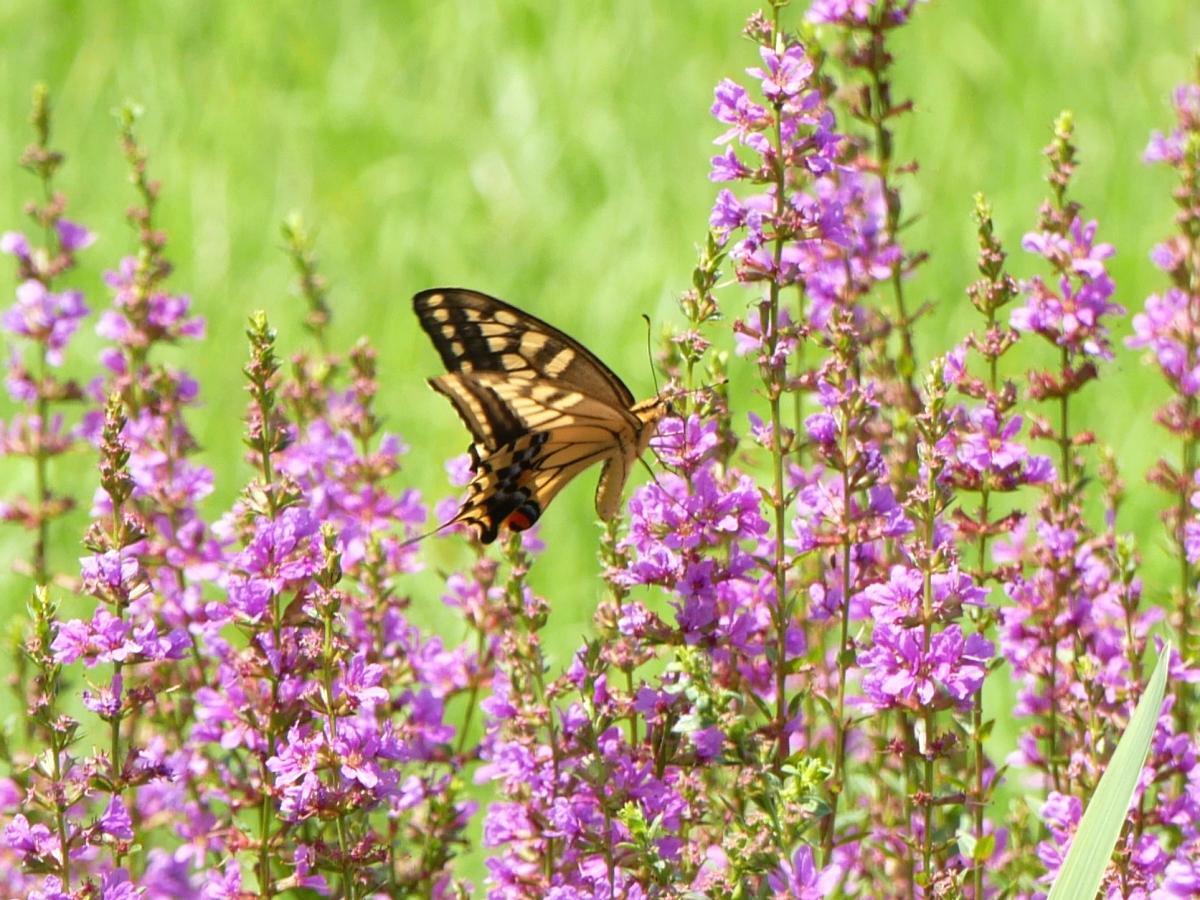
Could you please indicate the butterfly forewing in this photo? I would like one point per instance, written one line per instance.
(473, 332)
(539, 406)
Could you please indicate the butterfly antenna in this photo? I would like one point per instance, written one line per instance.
(650, 353)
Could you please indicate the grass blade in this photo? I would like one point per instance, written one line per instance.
(1083, 869)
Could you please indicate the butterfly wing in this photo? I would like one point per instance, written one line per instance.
(562, 432)
(475, 333)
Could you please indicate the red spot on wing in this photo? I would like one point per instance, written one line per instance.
(519, 521)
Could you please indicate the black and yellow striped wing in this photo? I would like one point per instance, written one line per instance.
(474, 332)
(539, 406)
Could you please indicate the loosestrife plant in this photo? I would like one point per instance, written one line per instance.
(783, 690)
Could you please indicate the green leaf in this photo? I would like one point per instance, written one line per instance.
(1083, 870)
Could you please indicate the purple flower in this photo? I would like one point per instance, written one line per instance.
(15, 244)
(359, 748)
(753, 337)
(459, 469)
(727, 212)
(858, 12)
(786, 75)
(304, 861)
(30, 840)
(110, 574)
(283, 553)
(898, 673)
(1191, 527)
(800, 877)
(104, 639)
(727, 167)
(1073, 316)
(44, 316)
(106, 703)
(115, 821)
(735, 108)
(1181, 878)
(116, 885)
(223, 884)
(73, 236)
(709, 742)
(1165, 326)
(137, 321)
(822, 428)
(361, 682)
(108, 638)
(989, 446)
(296, 768)
(1171, 148)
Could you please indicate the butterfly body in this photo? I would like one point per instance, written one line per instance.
(540, 407)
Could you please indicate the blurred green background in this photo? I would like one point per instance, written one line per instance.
(556, 155)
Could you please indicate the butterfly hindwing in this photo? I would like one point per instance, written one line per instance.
(489, 419)
(514, 485)
(474, 332)
(499, 488)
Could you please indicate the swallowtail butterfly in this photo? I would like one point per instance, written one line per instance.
(540, 407)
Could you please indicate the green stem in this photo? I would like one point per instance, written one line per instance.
(980, 759)
(472, 699)
(1064, 432)
(781, 612)
(60, 816)
(1184, 511)
(327, 660)
(883, 147)
(264, 834)
(843, 657)
(907, 740)
(1065, 453)
(1186, 573)
(118, 538)
(41, 574)
(981, 575)
(926, 644)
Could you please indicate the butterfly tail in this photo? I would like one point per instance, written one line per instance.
(416, 539)
(486, 511)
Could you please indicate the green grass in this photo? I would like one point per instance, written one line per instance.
(556, 155)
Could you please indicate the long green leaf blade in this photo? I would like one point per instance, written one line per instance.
(1083, 869)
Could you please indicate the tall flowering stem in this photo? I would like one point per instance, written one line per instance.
(47, 318)
(327, 601)
(1170, 327)
(299, 244)
(52, 791)
(792, 141)
(856, 465)
(122, 533)
(944, 593)
(266, 436)
(919, 662)
(865, 54)
(775, 371)
(1070, 313)
(143, 272)
(817, 223)
(987, 459)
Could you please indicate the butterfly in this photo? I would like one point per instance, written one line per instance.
(541, 408)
